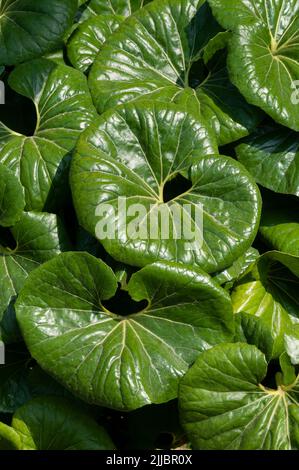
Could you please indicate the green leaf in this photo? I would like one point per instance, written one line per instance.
(54, 424)
(89, 38)
(112, 7)
(263, 53)
(37, 237)
(158, 53)
(134, 152)
(216, 44)
(29, 28)
(237, 269)
(252, 330)
(270, 292)
(64, 108)
(57, 56)
(280, 227)
(288, 373)
(224, 405)
(12, 201)
(291, 341)
(271, 155)
(110, 358)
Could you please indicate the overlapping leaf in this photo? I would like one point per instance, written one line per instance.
(263, 56)
(225, 406)
(12, 201)
(37, 237)
(64, 108)
(237, 269)
(271, 155)
(158, 52)
(279, 227)
(30, 28)
(88, 39)
(270, 292)
(113, 359)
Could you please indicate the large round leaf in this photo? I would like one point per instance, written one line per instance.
(271, 155)
(12, 201)
(134, 152)
(89, 38)
(64, 108)
(270, 292)
(53, 424)
(37, 238)
(158, 52)
(113, 359)
(224, 405)
(264, 53)
(30, 28)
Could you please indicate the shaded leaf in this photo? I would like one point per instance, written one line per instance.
(29, 28)
(38, 237)
(270, 292)
(12, 201)
(64, 108)
(53, 424)
(271, 155)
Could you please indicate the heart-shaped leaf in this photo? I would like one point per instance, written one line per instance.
(12, 201)
(53, 424)
(225, 406)
(30, 28)
(271, 155)
(89, 38)
(37, 238)
(110, 358)
(270, 292)
(158, 52)
(264, 53)
(135, 153)
(64, 108)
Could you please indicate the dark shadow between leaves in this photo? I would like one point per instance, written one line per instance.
(122, 304)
